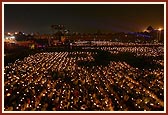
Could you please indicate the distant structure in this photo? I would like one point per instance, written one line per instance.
(150, 29)
(59, 32)
(157, 34)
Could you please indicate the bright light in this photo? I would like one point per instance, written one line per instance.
(9, 33)
(16, 33)
(12, 37)
(8, 94)
(160, 29)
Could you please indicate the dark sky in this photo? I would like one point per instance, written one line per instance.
(82, 17)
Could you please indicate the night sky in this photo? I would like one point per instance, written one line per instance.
(82, 17)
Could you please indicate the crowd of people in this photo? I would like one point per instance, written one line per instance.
(111, 43)
(53, 81)
(139, 51)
